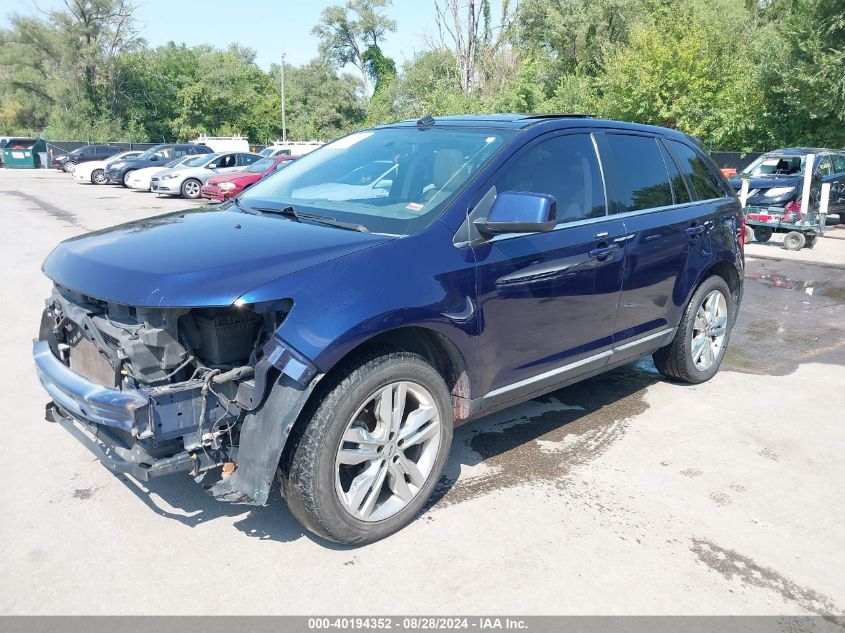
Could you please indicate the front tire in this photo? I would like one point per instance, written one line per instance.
(762, 233)
(191, 189)
(125, 178)
(696, 352)
(98, 177)
(368, 459)
(69, 166)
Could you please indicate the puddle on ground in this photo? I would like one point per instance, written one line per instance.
(807, 286)
(540, 441)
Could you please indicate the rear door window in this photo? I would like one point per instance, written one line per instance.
(246, 159)
(679, 187)
(636, 172)
(705, 183)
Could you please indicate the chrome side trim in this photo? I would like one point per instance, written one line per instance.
(644, 339)
(577, 364)
(548, 374)
(83, 398)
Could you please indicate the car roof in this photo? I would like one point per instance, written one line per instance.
(525, 121)
(803, 150)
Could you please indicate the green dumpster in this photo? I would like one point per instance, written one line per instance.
(24, 153)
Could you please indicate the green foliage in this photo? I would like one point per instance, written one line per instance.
(746, 75)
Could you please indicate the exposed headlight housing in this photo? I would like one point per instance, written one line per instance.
(169, 176)
(226, 186)
(775, 192)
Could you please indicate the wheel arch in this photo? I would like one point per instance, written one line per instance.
(432, 345)
(728, 271)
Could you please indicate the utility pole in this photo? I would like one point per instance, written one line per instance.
(284, 123)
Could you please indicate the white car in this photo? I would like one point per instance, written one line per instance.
(365, 182)
(187, 181)
(141, 179)
(94, 171)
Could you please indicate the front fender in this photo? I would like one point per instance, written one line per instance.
(421, 280)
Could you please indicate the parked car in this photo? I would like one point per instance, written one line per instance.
(290, 148)
(94, 172)
(220, 144)
(68, 162)
(776, 179)
(229, 185)
(187, 181)
(141, 179)
(337, 342)
(118, 173)
(367, 181)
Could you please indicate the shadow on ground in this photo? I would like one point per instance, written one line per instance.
(537, 441)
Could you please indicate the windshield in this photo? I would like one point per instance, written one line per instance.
(776, 165)
(390, 180)
(260, 166)
(202, 160)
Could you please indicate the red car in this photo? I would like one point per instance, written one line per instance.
(228, 186)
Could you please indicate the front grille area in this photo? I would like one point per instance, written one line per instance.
(86, 360)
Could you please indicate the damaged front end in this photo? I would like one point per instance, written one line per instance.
(155, 391)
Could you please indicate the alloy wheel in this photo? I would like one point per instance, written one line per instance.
(387, 451)
(709, 330)
(192, 189)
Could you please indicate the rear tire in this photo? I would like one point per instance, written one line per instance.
(69, 166)
(341, 472)
(125, 178)
(762, 233)
(810, 241)
(98, 177)
(696, 352)
(191, 189)
(794, 241)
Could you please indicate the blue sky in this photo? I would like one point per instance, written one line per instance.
(266, 26)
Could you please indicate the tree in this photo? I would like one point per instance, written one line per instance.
(351, 34)
(467, 30)
(692, 68)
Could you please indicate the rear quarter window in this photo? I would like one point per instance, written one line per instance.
(704, 181)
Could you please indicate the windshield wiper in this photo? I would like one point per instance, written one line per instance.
(290, 212)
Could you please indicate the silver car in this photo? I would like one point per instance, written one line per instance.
(187, 181)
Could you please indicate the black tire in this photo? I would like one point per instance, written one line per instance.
(307, 472)
(810, 241)
(762, 233)
(675, 360)
(748, 235)
(125, 178)
(69, 166)
(98, 177)
(794, 241)
(191, 189)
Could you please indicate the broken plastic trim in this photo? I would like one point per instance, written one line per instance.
(289, 361)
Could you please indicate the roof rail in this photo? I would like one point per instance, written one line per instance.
(559, 116)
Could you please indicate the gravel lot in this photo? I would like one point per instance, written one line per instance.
(622, 495)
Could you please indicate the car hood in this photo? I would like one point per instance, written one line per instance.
(768, 183)
(149, 171)
(91, 165)
(202, 257)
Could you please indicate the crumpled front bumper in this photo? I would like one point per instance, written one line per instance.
(83, 398)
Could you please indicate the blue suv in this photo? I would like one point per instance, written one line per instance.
(332, 324)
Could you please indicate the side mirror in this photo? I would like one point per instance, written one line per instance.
(519, 212)
(154, 157)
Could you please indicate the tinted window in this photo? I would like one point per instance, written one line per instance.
(838, 163)
(247, 159)
(564, 167)
(705, 183)
(679, 187)
(636, 173)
